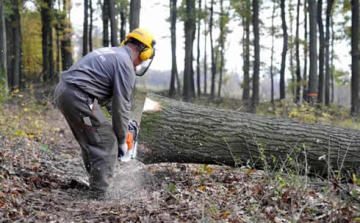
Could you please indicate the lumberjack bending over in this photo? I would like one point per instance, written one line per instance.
(104, 75)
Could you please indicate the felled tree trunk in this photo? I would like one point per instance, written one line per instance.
(188, 133)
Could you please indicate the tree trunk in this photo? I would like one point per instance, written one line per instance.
(183, 132)
(205, 52)
(66, 48)
(256, 75)
(44, 39)
(135, 6)
(174, 71)
(272, 52)
(291, 46)
(52, 77)
(285, 48)
(312, 91)
(327, 52)
(297, 41)
(305, 52)
(16, 38)
(91, 26)
(3, 50)
(113, 24)
(213, 63)
(57, 34)
(85, 28)
(189, 27)
(123, 23)
(105, 18)
(221, 45)
(321, 54)
(355, 58)
(332, 73)
(198, 53)
(247, 20)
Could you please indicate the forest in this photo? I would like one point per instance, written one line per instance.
(256, 119)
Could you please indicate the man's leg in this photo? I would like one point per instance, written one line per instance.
(93, 132)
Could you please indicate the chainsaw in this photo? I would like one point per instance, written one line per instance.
(131, 141)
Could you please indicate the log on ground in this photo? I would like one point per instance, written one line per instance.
(188, 133)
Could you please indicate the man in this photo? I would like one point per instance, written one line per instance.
(106, 75)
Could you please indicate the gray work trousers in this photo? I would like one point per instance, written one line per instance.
(93, 132)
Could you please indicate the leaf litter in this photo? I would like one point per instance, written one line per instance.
(43, 180)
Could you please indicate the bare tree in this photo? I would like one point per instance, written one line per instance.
(135, 6)
(321, 54)
(305, 50)
(66, 52)
(91, 26)
(3, 62)
(174, 71)
(312, 91)
(113, 24)
(355, 58)
(272, 32)
(85, 28)
(205, 45)
(189, 27)
(297, 43)
(256, 75)
(105, 18)
(198, 51)
(213, 63)
(329, 7)
(246, 59)
(285, 47)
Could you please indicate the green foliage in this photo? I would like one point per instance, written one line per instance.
(341, 77)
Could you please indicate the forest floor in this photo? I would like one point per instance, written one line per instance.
(42, 180)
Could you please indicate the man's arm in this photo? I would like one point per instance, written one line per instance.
(121, 102)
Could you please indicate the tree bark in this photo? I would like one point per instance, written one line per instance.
(90, 26)
(355, 110)
(135, 6)
(246, 66)
(332, 72)
(312, 86)
(221, 45)
(297, 42)
(123, 22)
(291, 46)
(85, 28)
(113, 24)
(3, 50)
(198, 52)
(16, 39)
(327, 52)
(66, 48)
(285, 48)
(205, 52)
(305, 52)
(189, 27)
(174, 71)
(321, 54)
(183, 132)
(105, 18)
(213, 63)
(272, 52)
(44, 10)
(256, 75)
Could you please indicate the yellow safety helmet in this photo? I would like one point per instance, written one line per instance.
(145, 37)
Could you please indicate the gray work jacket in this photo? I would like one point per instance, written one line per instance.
(104, 74)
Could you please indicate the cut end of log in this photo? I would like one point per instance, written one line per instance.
(151, 105)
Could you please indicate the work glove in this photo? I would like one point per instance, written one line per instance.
(122, 150)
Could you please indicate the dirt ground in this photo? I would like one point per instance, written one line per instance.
(42, 180)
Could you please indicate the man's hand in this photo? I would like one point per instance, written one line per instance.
(122, 150)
